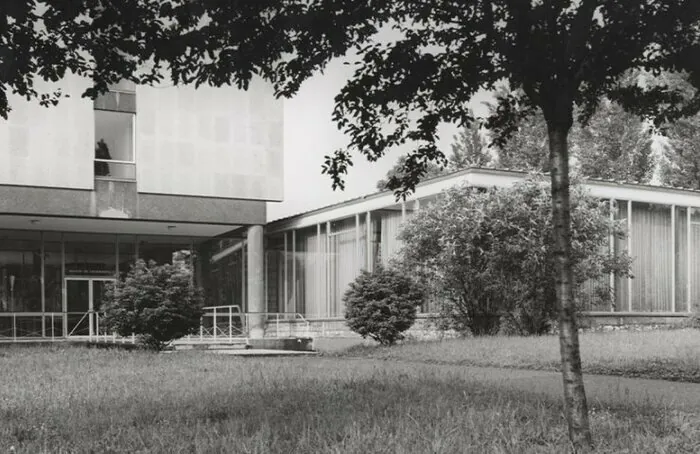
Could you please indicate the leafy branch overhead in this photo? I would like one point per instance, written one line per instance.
(412, 56)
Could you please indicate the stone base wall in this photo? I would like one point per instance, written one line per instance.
(424, 328)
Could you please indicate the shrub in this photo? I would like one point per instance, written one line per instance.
(487, 255)
(382, 304)
(693, 320)
(156, 302)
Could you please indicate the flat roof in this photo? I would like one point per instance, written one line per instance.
(479, 177)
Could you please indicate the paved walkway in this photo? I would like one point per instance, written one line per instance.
(259, 352)
(600, 389)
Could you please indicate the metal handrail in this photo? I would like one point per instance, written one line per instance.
(115, 161)
(240, 329)
(78, 324)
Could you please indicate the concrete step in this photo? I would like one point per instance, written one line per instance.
(299, 344)
(211, 346)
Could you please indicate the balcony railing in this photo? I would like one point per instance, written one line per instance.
(113, 169)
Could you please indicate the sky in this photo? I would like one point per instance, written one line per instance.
(310, 134)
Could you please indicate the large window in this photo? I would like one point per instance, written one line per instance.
(53, 272)
(90, 255)
(20, 271)
(114, 134)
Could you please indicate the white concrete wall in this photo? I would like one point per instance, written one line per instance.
(219, 142)
(51, 147)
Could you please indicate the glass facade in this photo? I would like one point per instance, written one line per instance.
(309, 271)
(74, 269)
(20, 272)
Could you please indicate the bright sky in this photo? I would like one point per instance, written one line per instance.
(310, 134)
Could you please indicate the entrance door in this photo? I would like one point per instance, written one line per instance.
(83, 300)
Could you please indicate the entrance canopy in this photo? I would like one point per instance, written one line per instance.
(113, 226)
(53, 269)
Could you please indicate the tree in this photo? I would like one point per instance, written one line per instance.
(681, 161)
(488, 255)
(382, 304)
(526, 147)
(469, 149)
(681, 168)
(615, 145)
(553, 55)
(431, 171)
(158, 303)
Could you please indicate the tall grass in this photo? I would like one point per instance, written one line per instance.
(663, 354)
(78, 400)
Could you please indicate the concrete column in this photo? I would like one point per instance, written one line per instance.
(256, 285)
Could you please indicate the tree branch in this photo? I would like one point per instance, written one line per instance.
(579, 35)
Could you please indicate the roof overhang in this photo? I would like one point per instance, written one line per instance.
(480, 178)
(113, 226)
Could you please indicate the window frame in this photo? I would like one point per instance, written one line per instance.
(132, 118)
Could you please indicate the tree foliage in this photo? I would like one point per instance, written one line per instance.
(526, 147)
(681, 167)
(612, 145)
(488, 256)
(615, 145)
(382, 304)
(469, 149)
(156, 302)
(432, 170)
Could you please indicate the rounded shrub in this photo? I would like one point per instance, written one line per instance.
(158, 303)
(382, 304)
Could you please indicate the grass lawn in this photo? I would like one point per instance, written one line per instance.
(70, 399)
(660, 354)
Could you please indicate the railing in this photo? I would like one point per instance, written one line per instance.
(114, 169)
(222, 323)
(229, 323)
(285, 323)
(218, 324)
(19, 326)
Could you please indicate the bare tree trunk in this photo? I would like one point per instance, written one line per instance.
(574, 393)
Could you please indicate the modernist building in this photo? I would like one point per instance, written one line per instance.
(312, 257)
(86, 187)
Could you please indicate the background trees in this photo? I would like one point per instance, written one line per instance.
(681, 166)
(614, 145)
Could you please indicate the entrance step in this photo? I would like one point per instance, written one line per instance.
(198, 344)
(292, 344)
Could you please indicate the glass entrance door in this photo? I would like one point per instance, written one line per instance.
(83, 300)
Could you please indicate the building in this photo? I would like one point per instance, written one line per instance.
(311, 257)
(86, 187)
(144, 172)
